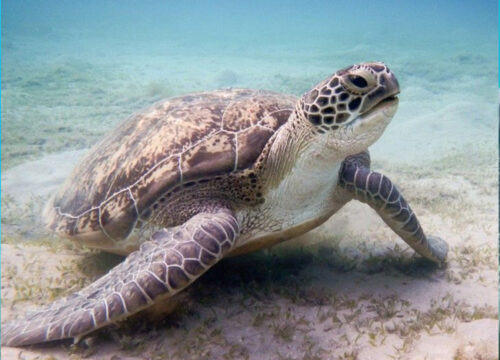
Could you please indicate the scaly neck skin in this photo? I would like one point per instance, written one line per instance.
(299, 177)
(301, 172)
(298, 149)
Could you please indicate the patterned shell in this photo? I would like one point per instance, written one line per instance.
(175, 141)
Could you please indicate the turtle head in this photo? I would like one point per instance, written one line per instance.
(351, 108)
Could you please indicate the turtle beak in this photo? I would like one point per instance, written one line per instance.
(386, 90)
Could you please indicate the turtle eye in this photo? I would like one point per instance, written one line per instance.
(360, 81)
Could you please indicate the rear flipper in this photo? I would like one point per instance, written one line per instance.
(378, 191)
(163, 266)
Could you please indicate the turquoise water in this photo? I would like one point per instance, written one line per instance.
(71, 70)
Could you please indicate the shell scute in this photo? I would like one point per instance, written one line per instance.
(250, 143)
(212, 157)
(118, 215)
(155, 182)
(89, 223)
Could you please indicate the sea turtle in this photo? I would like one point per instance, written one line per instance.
(200, 177)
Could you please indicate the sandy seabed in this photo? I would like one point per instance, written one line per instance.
(349, 290)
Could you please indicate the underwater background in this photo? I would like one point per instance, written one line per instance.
(72, 70)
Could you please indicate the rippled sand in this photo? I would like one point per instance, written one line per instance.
(351, 288)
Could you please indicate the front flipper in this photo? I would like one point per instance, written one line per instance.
(163, 266)
(378, 191)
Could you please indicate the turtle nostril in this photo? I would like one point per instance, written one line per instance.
(359, 81)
